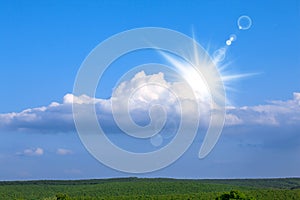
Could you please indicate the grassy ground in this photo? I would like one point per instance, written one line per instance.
(134, 188)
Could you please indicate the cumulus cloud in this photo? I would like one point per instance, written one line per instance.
(32, 152)
(52, 117)
(63, 152)
(139, 95)
(274, 113)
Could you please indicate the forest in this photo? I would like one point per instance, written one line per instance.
(152, 188)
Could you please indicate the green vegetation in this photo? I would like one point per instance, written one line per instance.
(234, 194)
(138, 188)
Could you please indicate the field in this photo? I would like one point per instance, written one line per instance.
(158, 188)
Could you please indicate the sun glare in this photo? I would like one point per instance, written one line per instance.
(193, 73)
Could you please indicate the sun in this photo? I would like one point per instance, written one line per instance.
(200, 72)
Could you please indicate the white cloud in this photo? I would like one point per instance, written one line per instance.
(144, 90)
(32, 152)
(233, 120)
(63, 152)
(297, 97)
(274, 113)
(57, 117)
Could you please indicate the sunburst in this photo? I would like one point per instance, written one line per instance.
(192, 72)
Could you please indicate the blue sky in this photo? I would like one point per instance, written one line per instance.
(43, 44)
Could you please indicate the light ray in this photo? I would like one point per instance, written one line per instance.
(228, 78)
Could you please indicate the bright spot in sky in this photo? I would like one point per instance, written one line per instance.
(244, 22)
(195, 80)
(219, 55)
(232, 37)
(191, 76)
(156, 140)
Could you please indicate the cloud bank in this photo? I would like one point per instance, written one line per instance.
(57, 117)
(274, 113)
(63, 152)
(32, 152)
